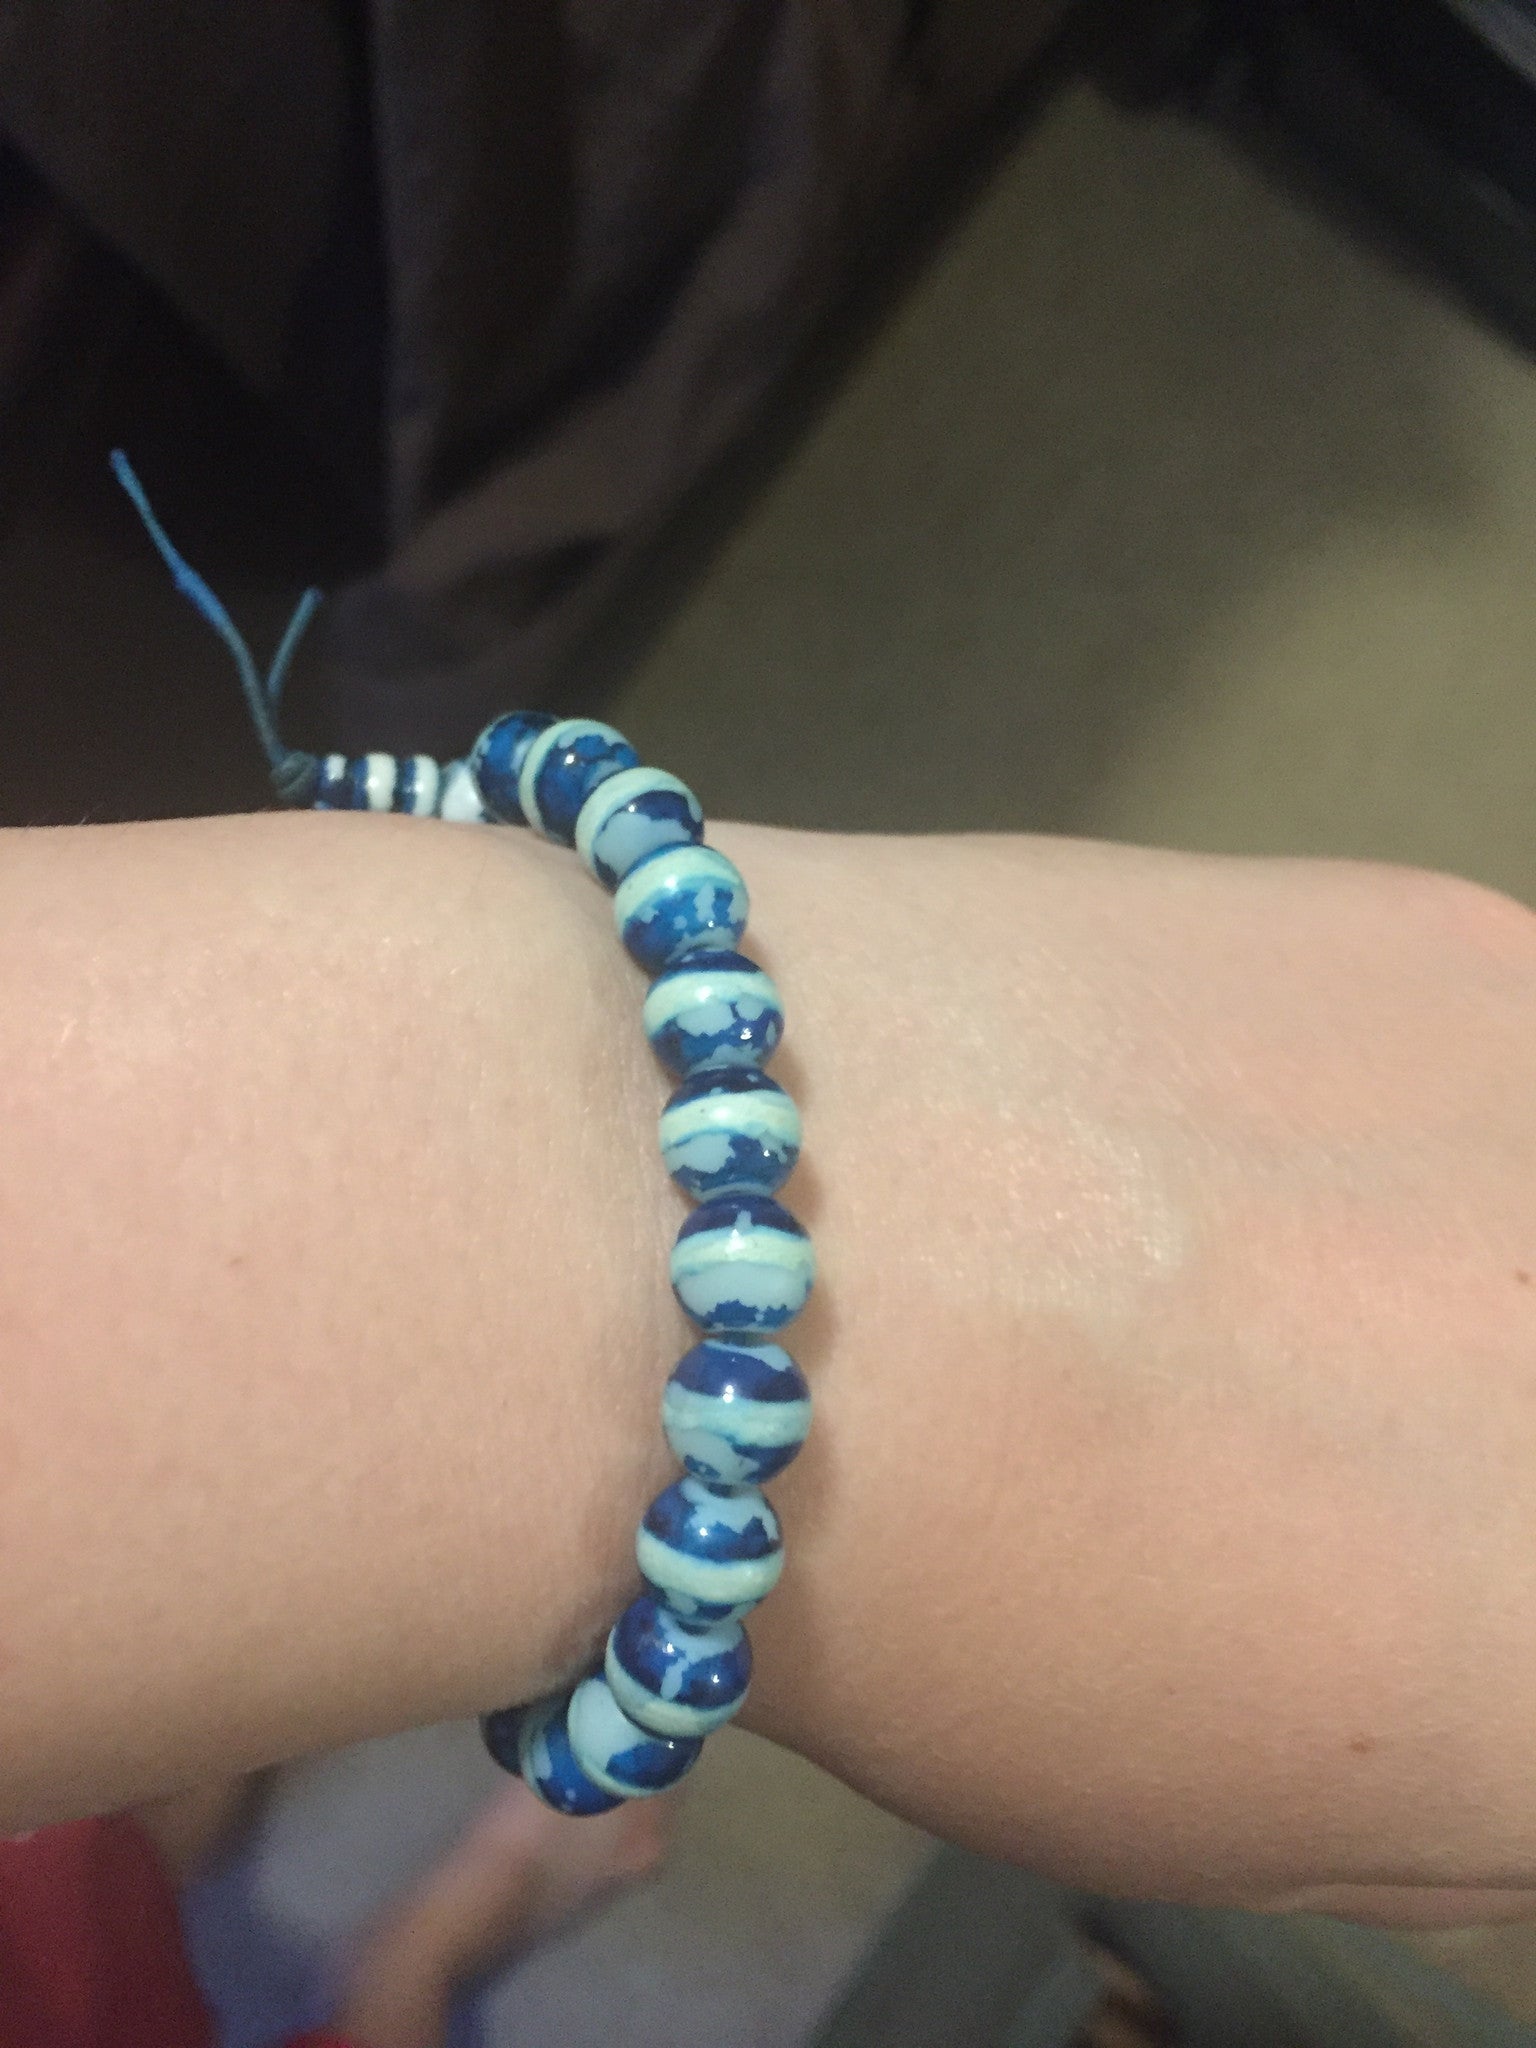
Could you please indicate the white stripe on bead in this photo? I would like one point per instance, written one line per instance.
(766, 1115)
(769, 1272)
(629, 839)
(711, 1581)
(379, 781)
(676, 869)
(426, 778)
(550, 741)
(729, 991)
(757, 1425)
(601, 1734)
(459, 800)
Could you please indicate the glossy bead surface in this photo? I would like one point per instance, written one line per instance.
(742, 1264)
(418, 781)
(713, 1010)
(459, 801)
(404, 783)
(562, 768)
(736, 1413)
(632, 814)
(366, 782)
(676, 900)
(710, 1552)
(332, 791)
(496, 761)
(619, 1755)
(408, 783)
(547, 1764)
(678, 1678)
(730, 1133)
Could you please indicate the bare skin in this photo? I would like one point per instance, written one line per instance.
(1169, 1519)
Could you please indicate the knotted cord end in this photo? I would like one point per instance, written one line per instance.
(296, 778)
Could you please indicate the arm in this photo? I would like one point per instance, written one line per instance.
(1166, 1521)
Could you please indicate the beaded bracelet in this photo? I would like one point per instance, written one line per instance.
(736, 1408)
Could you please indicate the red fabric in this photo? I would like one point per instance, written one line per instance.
(90, 1944)
(91, 1954)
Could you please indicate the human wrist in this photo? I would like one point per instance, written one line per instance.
(1171, 1361)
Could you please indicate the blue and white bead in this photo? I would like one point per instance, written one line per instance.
(734, 1412)
(333, 790)
(711, 1011)
(730, 1133)
(742, 1264)
(379, 782)
(619, 1755)
(547, 1764)
(496, 761)
(562, 768)
(636, 812)
(459, 801)
(677, 899)
(418, 786)
(675, 1677)
(711, 1553)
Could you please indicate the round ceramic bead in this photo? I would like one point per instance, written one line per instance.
(459, 800)
(631, 814)
(710, 1552)
(563, 767)
(373, 778)
(742, 1264)
(736, 1413)
(676, 1677)
(496, 761)
(366, 782)
(713, 1011)
(379, 782)
(730, 1133)
(677, 899)
(418, 781)
(548, 1766)
(333, 791)
(617, 1753)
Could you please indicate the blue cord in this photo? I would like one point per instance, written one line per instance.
(293, 772)
(277, 674)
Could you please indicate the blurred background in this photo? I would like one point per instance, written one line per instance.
(897, 414)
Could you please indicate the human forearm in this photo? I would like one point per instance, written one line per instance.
(333, 1290)
(1168, 1519)
(1165, 1517)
